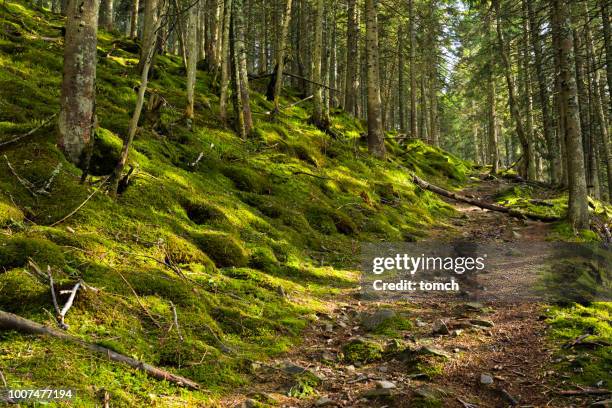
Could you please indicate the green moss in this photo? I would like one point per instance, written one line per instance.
(224, 249)
(246, 179)
(178, 250)
(204, 213)
(15, 251)
(585, 365)
(9, 214)
(362, 351)
(105, 153)
(391, 327)
(263, 259)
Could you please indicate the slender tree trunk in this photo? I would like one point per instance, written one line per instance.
(352, 50)
(528, 168)
(401, 86)
(547, 126)
(578, 211)
(151, 25)
(78, 96)
(280, 55)
(605, 17)
(134, 20)
(413, 84)
(319, 116)
(245, 121)
(492, 125)
(376, 137)
(527, 93)
(192, 60)
(604, 136)
(181, 31)
(225, 61)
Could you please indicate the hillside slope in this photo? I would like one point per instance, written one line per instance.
(245, 240)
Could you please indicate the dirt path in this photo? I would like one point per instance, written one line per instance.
(507, 347)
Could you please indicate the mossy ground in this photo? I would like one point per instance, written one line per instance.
(264, 231)
(587, 365)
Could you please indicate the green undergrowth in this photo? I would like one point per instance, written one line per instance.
(244, 240)
(589, 361)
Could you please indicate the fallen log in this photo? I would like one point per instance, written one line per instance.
(585, 391)
(478, 203)
(9, 321)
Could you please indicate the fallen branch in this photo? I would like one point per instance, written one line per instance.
(28, 186)
(488, 206)
(29, 133)
(9, 321)
(291, 105)
(58, 312)
(586, 391)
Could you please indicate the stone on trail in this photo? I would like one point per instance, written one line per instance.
(372, 321)
(433, 351)
(440, 328)
(385, 384)
(377, 392)
(324, 402)
(486, 379)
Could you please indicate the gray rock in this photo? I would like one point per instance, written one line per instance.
(486, 379)
(433, 351)
(329, 327)
(385, 384)
(293, 369)
(430, 394)
(324, 402)
(371, 321)
(249, 403)
(420, 323)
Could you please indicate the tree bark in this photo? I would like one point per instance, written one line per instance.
(134, 20)
(280, 54)
(225, 61)
(351, 82)
(192, 60)
(547, 126)
(376, 139)
(77, 100)
(413, 85)
(319, 116)
(605, 17)
(242, 103)
(578, 211)
(106, 15)
(528, 168)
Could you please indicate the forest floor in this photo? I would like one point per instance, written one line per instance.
(511, 348)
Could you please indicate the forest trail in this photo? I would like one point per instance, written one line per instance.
(512, 352)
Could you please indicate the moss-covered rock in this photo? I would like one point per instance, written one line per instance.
(203, 213)
(224, 249)
(106, 152)
(264, 259)
(362, 351)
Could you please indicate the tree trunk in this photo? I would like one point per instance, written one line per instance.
(401, 85)
(578, 211)
(192, 61)
(605, 17)
(547, 126)
(77, 101)
(241, 67)
(527, 95)
(151, 25)
(280, 55)
(106, 15)
(225, 61)
(604, 136)
(351, 82)
(134, 20)
(413, 85)
(376, 137)
(319, 116)
(528, 168)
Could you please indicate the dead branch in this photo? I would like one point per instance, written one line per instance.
(178, 329)
(58, 312)
(488, 206)
(9, 321)
(586, 391)
(30, 132)
(28, 186)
